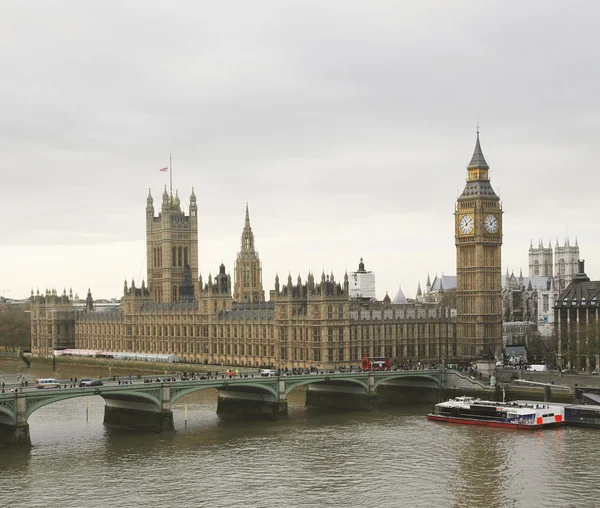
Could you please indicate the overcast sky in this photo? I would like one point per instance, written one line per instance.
(346, 125)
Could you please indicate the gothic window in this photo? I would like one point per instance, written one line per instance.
(179, 258)
(185, 256)
(174, 257)
(536, 267)
(329, 312)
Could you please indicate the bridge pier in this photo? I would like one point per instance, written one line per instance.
(254, 405)
(135, 419)
(341, 397)
(130, 412)
(14, 435)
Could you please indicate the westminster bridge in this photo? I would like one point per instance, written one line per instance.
(146, 403)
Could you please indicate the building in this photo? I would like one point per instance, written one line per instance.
(171, 246)
(577, 318)
(248, 270)
(532, 298)
(305, 324)
(308, 323)
(362, 283)
(478, 240)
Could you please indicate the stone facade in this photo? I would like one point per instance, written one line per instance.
(171, 246)
(577, 312)
(478, 239)
(305, 324)
(248, 271)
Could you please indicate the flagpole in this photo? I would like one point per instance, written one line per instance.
(170, 175)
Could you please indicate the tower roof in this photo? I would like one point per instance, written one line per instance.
(478, 160)
(247, 235)
(400, 298)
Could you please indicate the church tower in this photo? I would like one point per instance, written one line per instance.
(248, 272)
(478, 239)
(566, 262)
(540, 260)
(171, 245)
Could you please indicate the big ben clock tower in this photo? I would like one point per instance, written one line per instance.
(478, 239)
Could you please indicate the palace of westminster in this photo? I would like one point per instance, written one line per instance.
(308, 323)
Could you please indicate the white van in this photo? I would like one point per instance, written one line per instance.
(47, 382)
(537, 368)
(268, 372)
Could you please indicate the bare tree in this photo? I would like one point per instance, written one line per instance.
(15, 328)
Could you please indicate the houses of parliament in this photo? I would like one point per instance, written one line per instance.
(316, 322)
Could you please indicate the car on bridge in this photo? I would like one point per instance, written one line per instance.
(90, 382)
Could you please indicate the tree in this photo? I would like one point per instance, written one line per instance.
(581, 349)
(542, 350)
(15, 328)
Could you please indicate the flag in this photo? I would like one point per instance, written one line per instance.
(164, 169)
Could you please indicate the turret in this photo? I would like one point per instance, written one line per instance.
(149, 206)
(521, 278)
(193, 205)
(248, 270)
(89, 301)
(310, 283)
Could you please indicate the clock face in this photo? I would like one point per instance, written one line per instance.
(466, 224)
(491, 223)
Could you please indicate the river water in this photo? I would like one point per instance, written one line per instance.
(318, 458)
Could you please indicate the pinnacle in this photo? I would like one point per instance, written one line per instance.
(478, 160)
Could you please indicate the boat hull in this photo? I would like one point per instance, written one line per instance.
(492, 423)
(587, 424)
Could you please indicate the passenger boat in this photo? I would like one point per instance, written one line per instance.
(583, 415)
(523, 415)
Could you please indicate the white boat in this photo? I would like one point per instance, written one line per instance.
(525, 415)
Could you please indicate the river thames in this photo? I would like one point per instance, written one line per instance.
(317, 458)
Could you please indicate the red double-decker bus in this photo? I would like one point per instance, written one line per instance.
(376, 363)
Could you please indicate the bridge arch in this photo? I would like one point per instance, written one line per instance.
(35, 404)
(8, 411)
(402, 375)
(177, 393)
(303, 381)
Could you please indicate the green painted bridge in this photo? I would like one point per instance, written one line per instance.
(148, 405)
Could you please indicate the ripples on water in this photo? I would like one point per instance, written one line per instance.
(388, 458)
